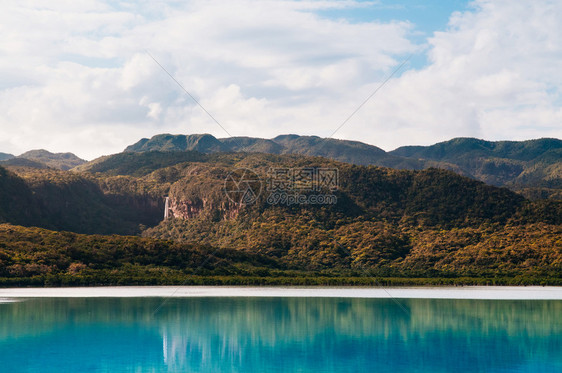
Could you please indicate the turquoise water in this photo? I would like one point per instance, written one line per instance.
(280, 335)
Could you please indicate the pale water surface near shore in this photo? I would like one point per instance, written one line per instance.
(237, 329)
(456, 292)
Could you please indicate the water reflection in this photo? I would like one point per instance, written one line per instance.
(281, 335)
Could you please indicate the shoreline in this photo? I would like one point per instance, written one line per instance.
(452, 292)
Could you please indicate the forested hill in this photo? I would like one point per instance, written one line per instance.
(41, 158)
(532, 162)
(469, 147)
(61, 161)
(425, 223)
(64, 200)
(516, 164)
(124, 192)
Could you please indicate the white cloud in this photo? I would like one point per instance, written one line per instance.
(493, 74)
(79, 78)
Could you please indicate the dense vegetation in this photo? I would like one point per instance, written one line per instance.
(429, 223)
(388, 225)
(61, 161)
(140, 164)
(519, 165)
(81, 203)
(34, 256)
(536, 163)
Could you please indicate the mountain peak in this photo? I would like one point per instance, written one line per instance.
(342, 150)
(6, 156)
(286, 137)
(462, 147)
(62, 161)
(204, 143)
(507, 163)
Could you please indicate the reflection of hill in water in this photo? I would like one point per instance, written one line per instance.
(209, 334)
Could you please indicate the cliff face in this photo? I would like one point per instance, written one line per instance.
(200, 193)
(203, 207)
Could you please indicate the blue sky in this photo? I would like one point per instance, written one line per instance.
(426, 17)
(76, 76)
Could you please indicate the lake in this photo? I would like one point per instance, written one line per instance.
(279, 334)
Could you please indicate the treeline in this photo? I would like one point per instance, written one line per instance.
(302, 242)
(39, 257)
(29, 255)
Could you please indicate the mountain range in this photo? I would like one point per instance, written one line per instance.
(515, 164)
(423, 222)
(532, 167)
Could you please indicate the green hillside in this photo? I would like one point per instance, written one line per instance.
(360, 255)
(61, 161)
(533, 167)
(34, 256)
(23, 162)
(139, 164)
(381, 218)
(75, 202)
(132, 186)
(16, 200)
(342, 150)
(463, 147)
(252, 145)
(168, 143)
(411, 226)
(517, 164)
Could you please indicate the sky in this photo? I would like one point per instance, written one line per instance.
(78, 76)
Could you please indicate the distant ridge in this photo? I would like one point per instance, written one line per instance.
(5, 156)
(204, 143)
(466, 146)
(23, 162)
(61, 161)
(517, 164)
(531, 162)
(343, 150)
